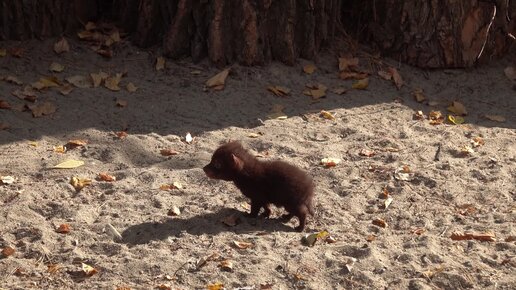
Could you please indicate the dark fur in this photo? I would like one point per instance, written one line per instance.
(264, 182)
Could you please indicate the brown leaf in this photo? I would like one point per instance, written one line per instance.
(396, 77)
(457, 108)
(242, 245)
(385, 75)
(279, 90)
(106, 177)
(79, 183)
(27, 94)
(366, 152)
(121, 103)
(419, 95)
(346, 64)
(131, 88)
(121, 134)
(61, 46)
(226, 265)
(63, 229)
(112, 82)
(65, 89)
(168, 152)
(160, 63)
(46, 82)
(56, 67)
(380, 223)
(13, 80)
(496, 118)
(88, 270)
(371, 238)
(419, 115)
(459, 236)
(435, 117)
(79, 81)
(53, 268)
(361, 84)
(41, 110)
(218, 79)
(7, 251)
(345, 75)
(4, 105)
(340, 90)
(309, 68)
(98, 78)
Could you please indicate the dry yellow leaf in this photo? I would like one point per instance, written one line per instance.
(40, 110)
(46, 82)
(216, 286)
(131, 88)
(309, 68)
(65, 89)
(458, 108)
(69, 164)
(61, 46)
(218, 79)
(396, 77)
(160, 63)
(346, 64)
(361, 84)
(242, 245)
(418, 95)
(327, 115)
(98, 78)
(112, 82)
(88, 270)
(435, 117)
(79, 81)
(60, 149)
(56, 67)
(346, 75)
(456, 120)
(79, 183)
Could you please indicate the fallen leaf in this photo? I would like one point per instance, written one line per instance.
(69, 164)
(346, 64)
(418, 95)
(279, 90)
(61, 46)
(3, 52)
(131, 88)
(60, 149)
(466, 209)
(316, 91)
(510, 73)
(457, 120)
(63, 229)
(231, 220)
(114, 37)
(188, 138)
(53, 268)
(361, 84)
(65, 89)
(13, 80)
(477, 141)
(121, 134)
(33, 143)
(435, 117)
(44, 109)
(160, 63)
(98, 78)
(371, 238)
(387, 202)
(8, 251)
(266, 286)
(112, 82)
(466, 150)
(510, 239)
(346, 75)
(121, 103)
(404, 173)
(4, 105)
(76, 143)
(79, 183)
(255, 135)
(327, 115)
(396, 77)
(106, 177)
(309, 68)
(56, 67)
(27, 94)
(164, 287)
(366, 152)
(330, 240)
(419, 115)
(177, 185)
(428, 274)
(277, 112)
(79, 81)
(89, 26)
(6, 179)
(216, 286)
(385, 75)
(46, 82)
(340, 90)
(496, 118)
(242, 245)
(310, 239)
(457, 108)
(168, 152)
(330, 162)
(218, 79)
(174, 211)
(380, 222)
(459, 236)
(226, 265)
(88, 270)
(418, 231)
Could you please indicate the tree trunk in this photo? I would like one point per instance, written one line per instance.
(434, 33)
(426, 33)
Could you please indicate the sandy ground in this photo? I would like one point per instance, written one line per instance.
(472, 192)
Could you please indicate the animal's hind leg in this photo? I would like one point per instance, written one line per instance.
(301, 215)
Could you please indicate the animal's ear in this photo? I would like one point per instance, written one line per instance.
(239, 164)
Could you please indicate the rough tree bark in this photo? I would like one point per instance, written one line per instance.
(435, 33)
(425, 33)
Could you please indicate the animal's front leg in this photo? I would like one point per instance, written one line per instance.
(255, 208)
(266, 210)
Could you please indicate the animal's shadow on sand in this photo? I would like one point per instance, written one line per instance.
(209, 223)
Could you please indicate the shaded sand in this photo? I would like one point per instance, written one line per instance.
(474, 192)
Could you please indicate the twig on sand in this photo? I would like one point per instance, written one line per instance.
(438, 152)
(443, 232)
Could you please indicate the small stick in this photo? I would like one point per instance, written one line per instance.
(438, 152)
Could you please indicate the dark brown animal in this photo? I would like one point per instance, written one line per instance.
(264, 182)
